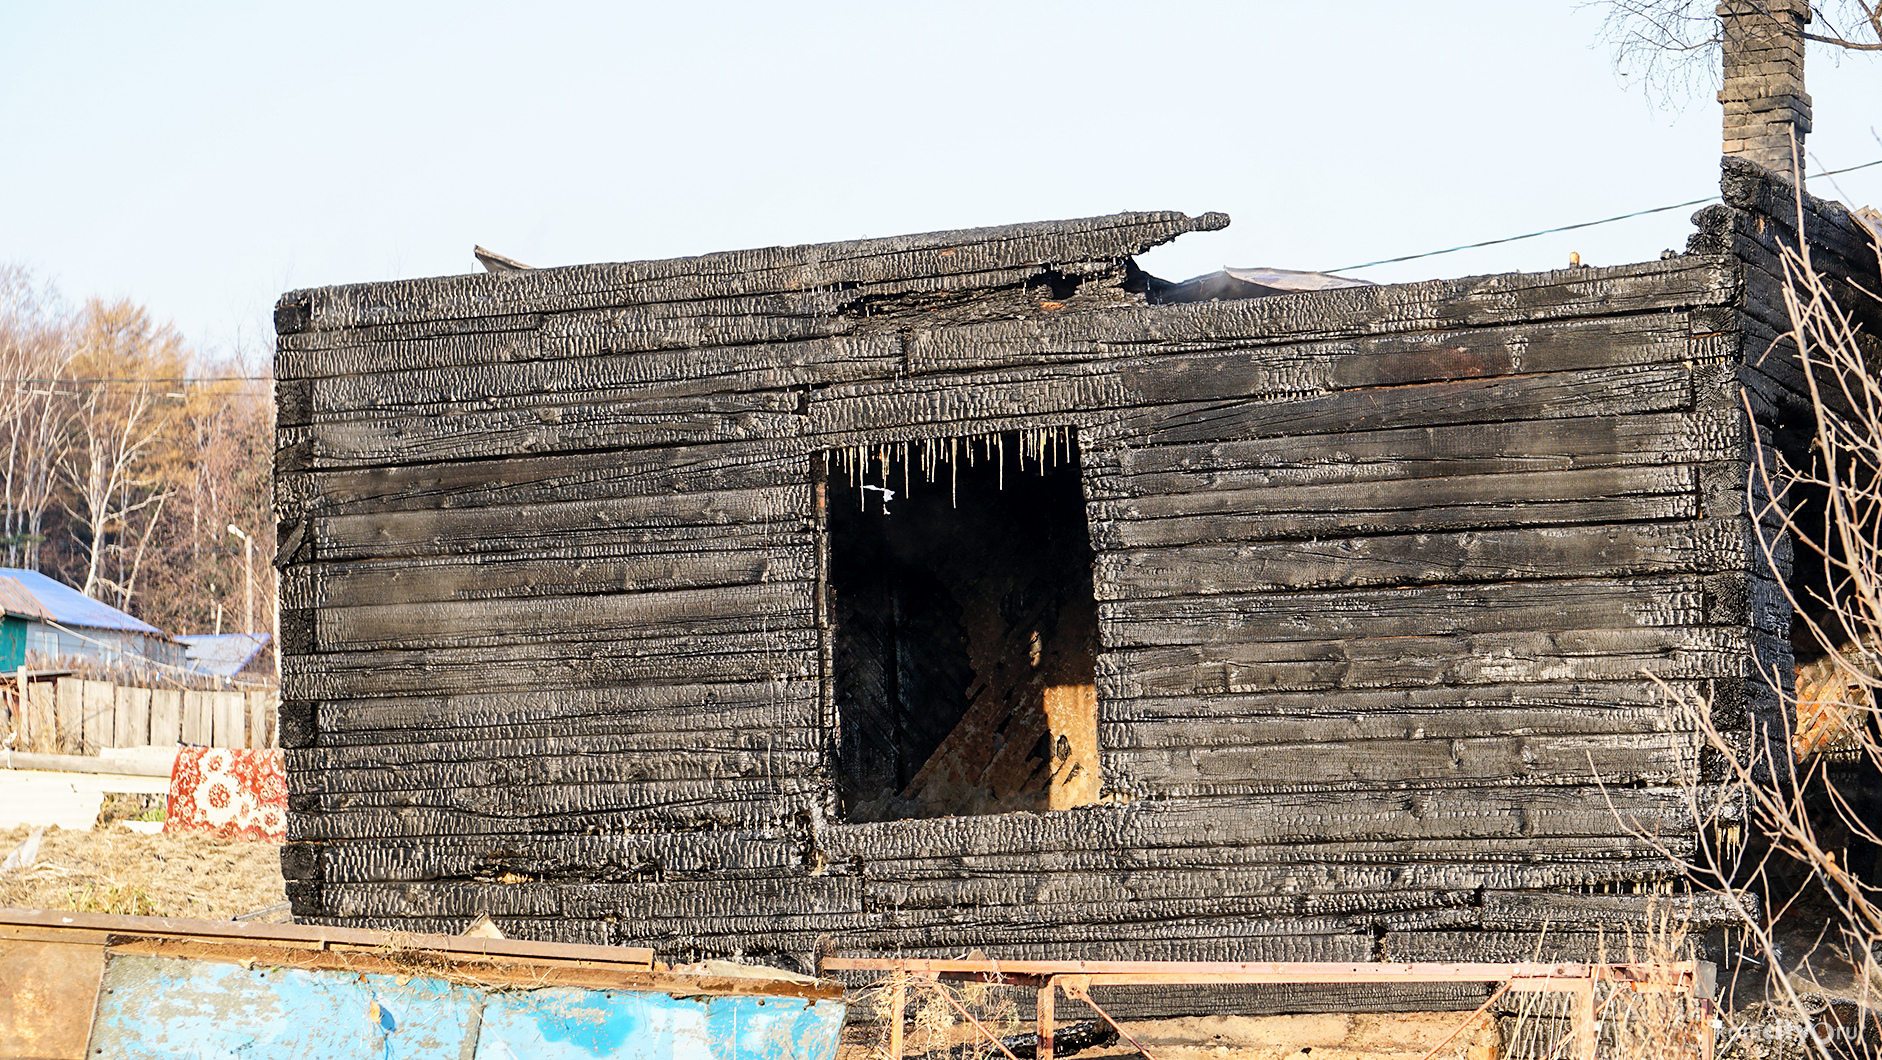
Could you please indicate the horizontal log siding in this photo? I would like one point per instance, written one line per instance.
(1381, 572)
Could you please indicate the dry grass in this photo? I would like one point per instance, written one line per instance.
(936, 1030)
(113, 870)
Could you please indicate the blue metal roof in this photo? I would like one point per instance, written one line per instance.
(69, 607)
(222, 654)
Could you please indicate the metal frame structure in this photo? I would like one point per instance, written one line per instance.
(1076, 978)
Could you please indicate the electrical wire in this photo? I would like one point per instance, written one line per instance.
(1343, 268)
(1573, 227)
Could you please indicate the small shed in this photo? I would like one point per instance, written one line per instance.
(962, 590)
(58, 624)
(226, 654)
(19, 609)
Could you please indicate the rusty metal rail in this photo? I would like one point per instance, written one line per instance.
(1582, 981)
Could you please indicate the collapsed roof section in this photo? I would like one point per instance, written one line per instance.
(833, 279)
(1244, 283)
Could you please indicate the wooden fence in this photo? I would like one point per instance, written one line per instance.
(76, 716)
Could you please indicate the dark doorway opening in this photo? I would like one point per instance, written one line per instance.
(964, 627)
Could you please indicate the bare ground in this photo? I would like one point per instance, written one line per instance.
(114, 870)
(1387, 1036)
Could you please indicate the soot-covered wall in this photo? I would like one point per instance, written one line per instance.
(586, 625)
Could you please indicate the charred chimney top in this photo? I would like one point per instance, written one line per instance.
(1764, 96)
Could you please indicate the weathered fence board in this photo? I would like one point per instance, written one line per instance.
(196, 724)
(261, 730)
(229, 717)
(166, 716)
(40, 699)
(76, 716)
(133, 723)
(98, 701)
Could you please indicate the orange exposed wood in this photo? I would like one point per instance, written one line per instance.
(1072, 720)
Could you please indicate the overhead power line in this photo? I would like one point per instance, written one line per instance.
(1573, 227)
(1343, 268)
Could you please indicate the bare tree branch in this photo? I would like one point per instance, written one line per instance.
(1671, 47)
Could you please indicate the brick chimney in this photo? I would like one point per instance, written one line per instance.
(1764, 94)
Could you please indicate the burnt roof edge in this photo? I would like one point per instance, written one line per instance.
(738, 273)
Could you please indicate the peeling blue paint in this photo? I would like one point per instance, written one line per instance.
(166, 1007)
(568, 1024)
(162, 1007)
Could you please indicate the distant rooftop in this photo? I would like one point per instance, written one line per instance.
(16, 600)
(58, 602)
(221, 654)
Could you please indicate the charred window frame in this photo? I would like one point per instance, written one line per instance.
(959, 625)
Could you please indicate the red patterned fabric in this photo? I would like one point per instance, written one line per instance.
(232, 793)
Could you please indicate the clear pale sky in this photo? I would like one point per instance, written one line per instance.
(203, 158)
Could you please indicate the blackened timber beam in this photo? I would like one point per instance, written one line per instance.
(1449, 558)
(676, 707)
(781, 269)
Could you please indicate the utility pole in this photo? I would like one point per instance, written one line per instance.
(248, 570)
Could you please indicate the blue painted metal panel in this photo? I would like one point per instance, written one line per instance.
(160, 1007)
(157, 1007)
(570, 1024)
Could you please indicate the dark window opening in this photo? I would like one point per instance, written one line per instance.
(963, 626)
(1833, 716)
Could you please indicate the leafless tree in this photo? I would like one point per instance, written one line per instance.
(222, 443)
(127, 458)
(1672, 46)
(120, 411)
(112, 439)
(34, 354)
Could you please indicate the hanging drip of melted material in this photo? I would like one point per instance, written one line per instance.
(1040, 450)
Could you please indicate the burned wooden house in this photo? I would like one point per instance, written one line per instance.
(974, 590)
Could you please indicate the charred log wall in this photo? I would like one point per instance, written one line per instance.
(1379, 572)
(1762, 217)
